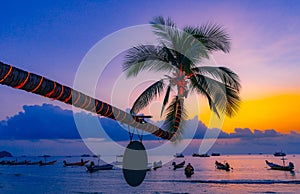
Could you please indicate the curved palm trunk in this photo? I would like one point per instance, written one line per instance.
(23, 80)
(181, 90)
(178, 117)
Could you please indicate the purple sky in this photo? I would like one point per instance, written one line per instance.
(51, 38)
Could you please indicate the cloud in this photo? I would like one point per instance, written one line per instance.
(246, 133)
(52, 122)
(40, 122)
(51, 126)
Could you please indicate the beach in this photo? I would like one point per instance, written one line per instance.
(249, 175)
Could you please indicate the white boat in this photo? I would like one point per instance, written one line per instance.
(94, 168)
(119, 160)
(149, 167)
(157, 165)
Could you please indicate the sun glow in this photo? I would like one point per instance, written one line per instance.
(278, 112)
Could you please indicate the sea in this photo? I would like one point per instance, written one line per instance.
(249, 175)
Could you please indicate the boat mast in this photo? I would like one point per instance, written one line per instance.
(283, 160)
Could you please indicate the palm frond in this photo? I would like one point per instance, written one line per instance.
(213, 36)
(177, 58)
(183, 46)
(147, 96)
(191, 51)
(165, 29)
(202, 88)
(225, 97)
(175, 117)
(161, 21)
(166, 99)
(170, 55)
(223, 74)
(146, 57)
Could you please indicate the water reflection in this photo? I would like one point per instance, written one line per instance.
(249, 174)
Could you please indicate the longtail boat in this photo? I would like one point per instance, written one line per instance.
(222, 166)
(157, 165)
(274, 166)
(200, 155)
(180, 165)
(94, 168)
(215, 154)
(279, 154)
(15, 163)
(179, 155)
(81, 163)
(47, 163)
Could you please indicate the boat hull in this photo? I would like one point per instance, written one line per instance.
(221, 166)
(180, 165)
(177, 155)
(201, 155)
(76, 163)
(157, 165)
(279, 154)
(279, 167)
(48, 163)
(92, 169)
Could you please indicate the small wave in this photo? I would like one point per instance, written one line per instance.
(232, 181)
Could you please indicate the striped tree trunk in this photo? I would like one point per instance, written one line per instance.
(177, 121)
(23, 80)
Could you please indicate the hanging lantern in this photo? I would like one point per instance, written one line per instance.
(135, 163)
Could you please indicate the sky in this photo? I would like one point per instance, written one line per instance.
(51, 38)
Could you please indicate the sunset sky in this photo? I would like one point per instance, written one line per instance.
(51, 38)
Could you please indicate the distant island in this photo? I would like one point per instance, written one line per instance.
(5, 154)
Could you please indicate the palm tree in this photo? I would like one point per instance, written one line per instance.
(180, 54)
(37, 84)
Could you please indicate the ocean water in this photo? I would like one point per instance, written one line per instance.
(249, 175)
